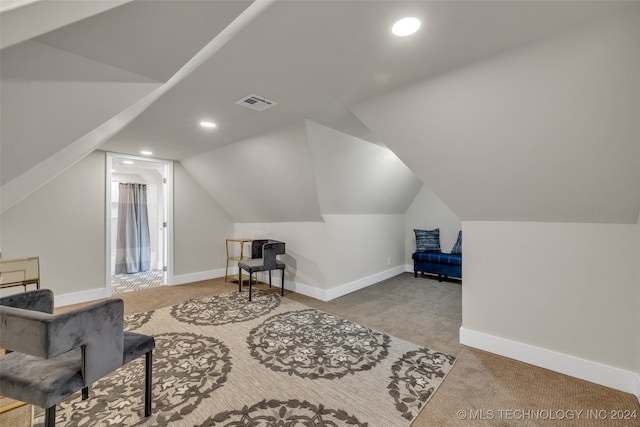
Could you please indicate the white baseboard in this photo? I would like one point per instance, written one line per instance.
(313, 292)
(329, 294)
(333, 293)
(307, 290)
(609, 376)
(201, 275)
(347, 288)
(80, 297)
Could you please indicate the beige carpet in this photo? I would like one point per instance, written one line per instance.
(222, 360)
(429, 313)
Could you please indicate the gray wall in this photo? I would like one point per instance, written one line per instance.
(337, 256)
(637, 367)
(64, 224)
(263, 179)
(541, 143)
(548, 132)
(569, 288)
(354, 176)
(200, 227)
(427, 212)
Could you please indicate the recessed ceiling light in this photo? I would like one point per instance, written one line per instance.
(127, 162)
(146, 152)
(206, 124)
(406, 26)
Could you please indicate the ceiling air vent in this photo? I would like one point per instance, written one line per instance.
(256, 102)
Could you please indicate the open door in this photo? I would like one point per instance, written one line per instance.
(156, 176)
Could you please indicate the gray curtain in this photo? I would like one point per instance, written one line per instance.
(133, 253)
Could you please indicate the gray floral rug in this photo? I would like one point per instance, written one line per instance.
(224, 361)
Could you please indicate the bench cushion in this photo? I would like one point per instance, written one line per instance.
(438, 257)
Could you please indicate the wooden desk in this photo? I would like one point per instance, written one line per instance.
(233, 257)
(20, 272)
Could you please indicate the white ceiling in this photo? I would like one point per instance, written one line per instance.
(316, 59)
(150, 38)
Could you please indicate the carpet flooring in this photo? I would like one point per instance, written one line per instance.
(225, 361)
(429, 313)
(121, 283)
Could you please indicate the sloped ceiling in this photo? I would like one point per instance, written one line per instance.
(302, 172)
(546, 133)
(69, 142)
(320, 60)
(21, 20)
(46, 108)
(151, 38)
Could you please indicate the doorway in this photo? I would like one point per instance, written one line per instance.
(156, 176)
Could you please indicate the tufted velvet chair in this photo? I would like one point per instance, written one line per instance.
(267, 262)
(50, 357)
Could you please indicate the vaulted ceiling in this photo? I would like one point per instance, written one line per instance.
(130, 75)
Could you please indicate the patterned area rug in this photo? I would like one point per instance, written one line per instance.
(223, 361)
(121, 283)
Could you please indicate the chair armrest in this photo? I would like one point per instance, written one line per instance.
(36, 300)
(269, 252)
(98, 328)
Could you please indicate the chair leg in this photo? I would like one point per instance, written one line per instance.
(85, 393)
(269, 278)
(50, 416)
(282, 284)
(148, 383)
(250, 284)
(239, 279)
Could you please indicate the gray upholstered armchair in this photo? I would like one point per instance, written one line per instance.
(50, 357)
(267, 262)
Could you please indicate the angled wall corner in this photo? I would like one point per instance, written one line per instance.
(200, 227)
(264, 179)
(354, 176)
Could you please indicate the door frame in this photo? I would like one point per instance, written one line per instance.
(168, 197)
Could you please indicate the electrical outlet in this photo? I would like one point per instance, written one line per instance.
(388, 261)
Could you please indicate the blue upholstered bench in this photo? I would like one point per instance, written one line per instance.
(442, 264)
(428, 258)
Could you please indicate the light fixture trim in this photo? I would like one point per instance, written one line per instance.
(207, 124)
(406, 26)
